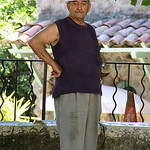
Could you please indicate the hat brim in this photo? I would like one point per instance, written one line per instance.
(66, 1)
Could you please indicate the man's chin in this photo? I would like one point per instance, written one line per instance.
(80, 16)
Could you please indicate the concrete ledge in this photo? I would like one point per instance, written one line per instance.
(28, 136)
(124, 136)
(44, 136)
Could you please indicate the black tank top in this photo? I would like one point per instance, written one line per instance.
(77, 52)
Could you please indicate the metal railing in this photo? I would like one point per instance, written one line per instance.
(128, 64)
(30, 73)
(16, 73)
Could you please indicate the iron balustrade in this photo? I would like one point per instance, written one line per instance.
(17, 73)
(114, 82)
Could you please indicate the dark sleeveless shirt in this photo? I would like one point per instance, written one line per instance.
(77, 52)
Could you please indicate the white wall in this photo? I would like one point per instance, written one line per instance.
(104, 9)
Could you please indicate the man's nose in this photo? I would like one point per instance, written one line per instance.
(79, 6)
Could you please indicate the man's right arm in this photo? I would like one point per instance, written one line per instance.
(37, 43)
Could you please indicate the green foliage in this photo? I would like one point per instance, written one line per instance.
(144, 2)
(9, 76)
(13, 15)
(18, 12)
(133, 2)
(8, 106)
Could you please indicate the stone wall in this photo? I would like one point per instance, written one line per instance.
(101, 9)
(44, 136)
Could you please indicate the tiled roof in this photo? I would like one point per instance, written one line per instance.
(23, 34)
(116, 32)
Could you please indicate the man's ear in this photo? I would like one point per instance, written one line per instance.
(68, 6)
(89, 7)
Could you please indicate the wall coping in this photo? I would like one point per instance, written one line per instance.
(126, 124)
(53, 123)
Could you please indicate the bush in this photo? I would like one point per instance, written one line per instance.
(144, 2)
(13, 15)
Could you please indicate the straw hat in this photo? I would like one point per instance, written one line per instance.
(74, 0)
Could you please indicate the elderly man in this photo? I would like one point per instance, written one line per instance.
(76, 66)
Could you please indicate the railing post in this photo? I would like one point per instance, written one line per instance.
(128, 79)
(16, 70)
(1, 90)
(44, 91)
(141, 95)
(115, 93)
(31, 91)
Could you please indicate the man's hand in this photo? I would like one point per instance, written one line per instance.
(57, 70)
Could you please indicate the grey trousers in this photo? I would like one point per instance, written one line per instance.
(77, 117)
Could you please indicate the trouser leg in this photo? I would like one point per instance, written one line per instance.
(67, 121)
(94, 111)
(77, 118)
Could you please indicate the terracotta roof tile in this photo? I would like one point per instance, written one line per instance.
(146, 24)
(125, 32)
(124, 23)
(44, 23)
(23, 39)
(111, 31)
(23, 29)
(130, 39)
(110, 23)
(144, 38)
(103, 38)
(115, 32)
(139, 31)
(31, 23)
(148, 43)
(32, 31)
(100, 30)
(23, 34)
(137, 23)
(147, 31)
(116, 39)
(97, 23)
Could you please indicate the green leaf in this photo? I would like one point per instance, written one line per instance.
(133, 2)
(145, 2)
(19, 103)
(7, 108)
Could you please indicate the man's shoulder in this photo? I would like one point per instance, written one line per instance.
(91, 28)
(61, 20)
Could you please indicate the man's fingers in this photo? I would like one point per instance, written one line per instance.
(56, 69)
(56, 74)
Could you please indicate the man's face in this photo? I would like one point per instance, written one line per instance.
(79, 8)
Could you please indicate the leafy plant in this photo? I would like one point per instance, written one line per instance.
(8, 108)
(144, 2)
(9, 77)
(13, 15)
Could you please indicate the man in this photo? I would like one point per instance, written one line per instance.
(76, 66)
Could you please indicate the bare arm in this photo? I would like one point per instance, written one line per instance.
(37, 43)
